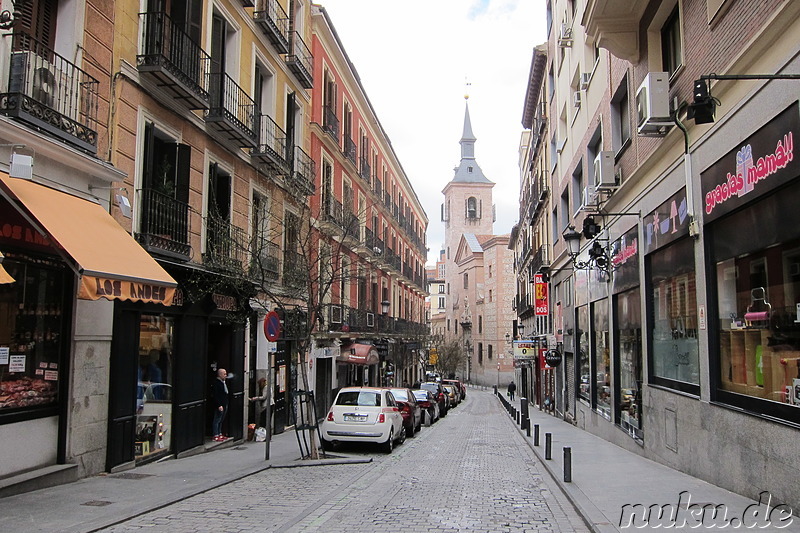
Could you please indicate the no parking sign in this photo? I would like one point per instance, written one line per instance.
(272, 326)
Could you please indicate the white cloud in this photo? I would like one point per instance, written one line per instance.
(413, 58)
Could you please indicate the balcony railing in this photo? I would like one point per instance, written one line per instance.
(47, 91)
(275, 23)
(232, 113)
(332, 211)
(378, 188)
(303, 172)
(350, 149)
(271, 149)
(164, 227)
(364, 170)
(173, 60)
(226, 245)
(300, 61)
(266, 261)
(330, 122)
(295, 270)
(540, 258)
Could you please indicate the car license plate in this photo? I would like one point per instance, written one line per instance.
(355, 418)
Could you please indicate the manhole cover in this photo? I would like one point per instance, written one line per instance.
(97, 503)
(131, 475)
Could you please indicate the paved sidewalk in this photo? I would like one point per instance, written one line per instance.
(97, 502)
(606, 478)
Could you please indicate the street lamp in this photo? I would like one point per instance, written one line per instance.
(597, 255)
(385, 307)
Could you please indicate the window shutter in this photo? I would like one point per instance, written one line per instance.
(182, 173)
(147, 163)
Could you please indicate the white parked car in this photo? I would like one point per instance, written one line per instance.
(363, 414)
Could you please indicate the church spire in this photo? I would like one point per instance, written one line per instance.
(468, 170)
(467, 138)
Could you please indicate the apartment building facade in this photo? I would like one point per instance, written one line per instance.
(672, 175)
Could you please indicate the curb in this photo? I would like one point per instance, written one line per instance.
(593, 517)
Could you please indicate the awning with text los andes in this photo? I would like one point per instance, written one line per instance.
(359, 354)
(5, 277)
(111, 263)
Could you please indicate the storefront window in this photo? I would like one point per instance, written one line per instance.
(31, 333)
(674, 314)
(627, 309)
(602, 358)
(584, 371)
(154, 386)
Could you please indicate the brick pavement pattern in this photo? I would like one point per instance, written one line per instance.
(471, 471)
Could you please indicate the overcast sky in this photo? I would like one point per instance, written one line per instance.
(414, 58)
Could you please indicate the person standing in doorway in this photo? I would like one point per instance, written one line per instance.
(261, 402)
(511, 389)
(219, 395)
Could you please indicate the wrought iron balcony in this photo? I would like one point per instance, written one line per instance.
(350, 149)
(364, 170)
(226, 245)
(352, 226)
(164, 227)
(300, 61)
(295, 270)
(377, 186)
(47, 91)
(173, 60)
(232, 113)
(539, 194)
(271, 149)
(540, 259)
(266, 261)
(303, 172)
(332, 211)
(275, 23)
(330, 122)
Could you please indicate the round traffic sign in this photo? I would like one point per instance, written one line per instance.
(272, 326)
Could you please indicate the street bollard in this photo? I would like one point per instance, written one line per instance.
(548, 444)
(567, 464)
(536, 434)
(528, 427)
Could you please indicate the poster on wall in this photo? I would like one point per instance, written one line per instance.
(541, 296)
(16, 363)
(4, 355)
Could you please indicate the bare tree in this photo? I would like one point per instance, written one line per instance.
(451, 357)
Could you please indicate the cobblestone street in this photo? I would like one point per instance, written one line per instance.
(471, 471)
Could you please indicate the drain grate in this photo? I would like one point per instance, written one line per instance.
(131, 475)
(97, 503)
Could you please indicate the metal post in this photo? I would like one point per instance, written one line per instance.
(567, 464)
(528, 427)
(548, 444)
(536, 434)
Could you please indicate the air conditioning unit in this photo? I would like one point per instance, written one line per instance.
(590, 197)
(34, 76)
(565, 36)
(652, 104)
(604, 178)
(576, 99)
(370, 320)
(336, 314)
(586, 77)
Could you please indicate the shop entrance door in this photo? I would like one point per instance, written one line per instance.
(226, 350)
(122, 389)
(189, 383)
(280, 379)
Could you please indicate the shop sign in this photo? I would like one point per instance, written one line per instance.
(94, 288)
(552, 358)
(17, 230)
(762, 162)
(524, 349)
(541, 296)
(625, 260)
(224, 302)
(667, 223)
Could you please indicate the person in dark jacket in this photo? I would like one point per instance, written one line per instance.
(219, 395)
(511, 389)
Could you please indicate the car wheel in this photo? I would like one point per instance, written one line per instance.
(388, 446)
(402, 437)
(419, 425)
(327, 445)
(410, 430)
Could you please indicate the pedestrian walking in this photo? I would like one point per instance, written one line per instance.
(219, 395)
(511, 388)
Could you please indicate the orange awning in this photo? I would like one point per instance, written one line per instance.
(111, 263)
(5, 277)
(359, 354)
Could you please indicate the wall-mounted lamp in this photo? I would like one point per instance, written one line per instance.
(385, 307)
(21, 164)
(598, 259)
(122, 200)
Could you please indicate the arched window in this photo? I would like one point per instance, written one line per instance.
(472, 207)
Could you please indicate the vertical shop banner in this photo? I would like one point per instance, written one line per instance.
(541, 302)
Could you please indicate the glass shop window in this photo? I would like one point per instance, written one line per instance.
(673, 313)
(583, 341)
(154, 386)
(32, 330)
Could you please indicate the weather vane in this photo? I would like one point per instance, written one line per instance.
(466, 88)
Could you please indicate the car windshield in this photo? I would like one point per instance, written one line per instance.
(421, 394)
(362, 398)
(433, 387)
(400, 394)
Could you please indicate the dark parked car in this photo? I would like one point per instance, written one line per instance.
(427, 401)
(440, 394)
(410, 409)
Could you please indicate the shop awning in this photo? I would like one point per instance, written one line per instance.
(5, 277)
(111, 263)
(359, 354)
